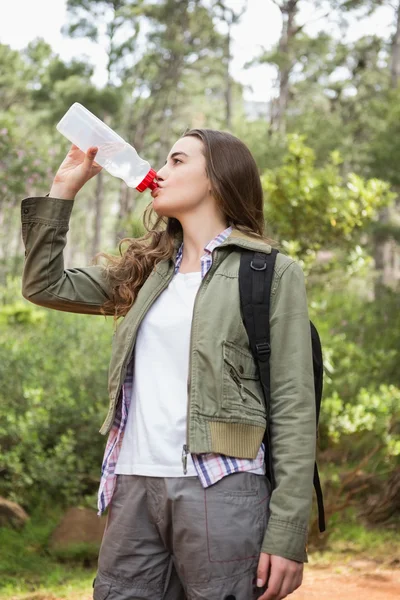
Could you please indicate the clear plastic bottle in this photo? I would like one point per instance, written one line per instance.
(84, 129)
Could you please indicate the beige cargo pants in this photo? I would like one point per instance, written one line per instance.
(171, 539)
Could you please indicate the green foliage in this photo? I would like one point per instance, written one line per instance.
(384, 146)
(83, 553)
(19, 154)
(52, 406)
(27, 564)
(371, 412)
(347, 530)
(25, 552)
(136, 228)
(311, 207)
(361, 405)
(19, 313)
(350, 537)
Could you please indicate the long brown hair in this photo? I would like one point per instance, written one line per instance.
(236, 186)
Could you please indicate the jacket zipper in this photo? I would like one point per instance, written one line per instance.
(238, 382)
(185, 452)
(185, 447)
(242, 389)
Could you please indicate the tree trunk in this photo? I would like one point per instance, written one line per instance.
(379, 254)
(384, 216)
(18, 254)
(126, 208)
(395, 56)
(7, 229)
(98, 213)
(228, 90)
(289, 31)
(283, 99)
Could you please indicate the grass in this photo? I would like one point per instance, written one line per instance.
(61, 583)
(350, 539)
(27, 564)
(29, 570)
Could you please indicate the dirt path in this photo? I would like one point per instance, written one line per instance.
(355, 584)
(362, 582)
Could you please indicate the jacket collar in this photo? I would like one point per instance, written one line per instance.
(235, 238)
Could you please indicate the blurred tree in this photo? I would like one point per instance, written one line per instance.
(179, 73)
(45, 70)
(22, 168)
(310, 208)
(285, 56)
(152, 48)
(367, 8)
(229, 17)
(116, 23)
(14, 77)
(387, 221)
(338, 96)
(50, 449)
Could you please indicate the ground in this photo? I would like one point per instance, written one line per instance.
(360, 580)
(348, 583)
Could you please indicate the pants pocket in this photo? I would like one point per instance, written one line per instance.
(235, 519)
(101, 591)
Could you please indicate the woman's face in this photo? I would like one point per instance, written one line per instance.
(183, 182)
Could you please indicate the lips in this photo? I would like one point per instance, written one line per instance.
(155, 192)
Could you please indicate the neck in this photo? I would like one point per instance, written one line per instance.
(198, 231)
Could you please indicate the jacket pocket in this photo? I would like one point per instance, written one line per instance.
(242, 392)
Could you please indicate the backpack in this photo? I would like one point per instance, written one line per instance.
(255, 280)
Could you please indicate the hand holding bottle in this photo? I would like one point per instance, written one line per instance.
(75, 170)
(86, 131)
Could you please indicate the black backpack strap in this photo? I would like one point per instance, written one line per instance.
(320, 500)
(318, 367)
(255, 281)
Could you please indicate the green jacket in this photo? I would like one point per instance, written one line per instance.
(226, 411)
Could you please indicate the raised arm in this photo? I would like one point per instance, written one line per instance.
(45, 222)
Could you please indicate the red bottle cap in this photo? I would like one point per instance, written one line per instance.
(148, 182)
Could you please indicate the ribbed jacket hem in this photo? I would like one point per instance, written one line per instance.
(236, 439)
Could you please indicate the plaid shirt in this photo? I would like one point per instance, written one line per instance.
(210, 467)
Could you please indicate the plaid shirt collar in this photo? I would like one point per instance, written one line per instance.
(221, 237)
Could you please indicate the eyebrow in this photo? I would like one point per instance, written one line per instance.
(177, 154)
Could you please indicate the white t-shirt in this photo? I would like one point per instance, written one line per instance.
(156, 427)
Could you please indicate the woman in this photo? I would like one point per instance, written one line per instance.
(191, 511)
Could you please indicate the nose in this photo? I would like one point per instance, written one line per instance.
(161, 173)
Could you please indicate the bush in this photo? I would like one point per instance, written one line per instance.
(53, 369)
(361, 401)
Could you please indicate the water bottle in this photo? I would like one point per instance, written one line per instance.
(84, 129)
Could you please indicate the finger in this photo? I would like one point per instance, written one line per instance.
(298, 580)
(275, 582)
(75, 152)
(90, 156)
(263, 569)
(289, 584)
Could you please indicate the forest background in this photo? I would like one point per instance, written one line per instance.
(327, 144)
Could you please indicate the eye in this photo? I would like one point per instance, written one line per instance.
(176, 160)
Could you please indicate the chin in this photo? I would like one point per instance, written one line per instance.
(163, 210)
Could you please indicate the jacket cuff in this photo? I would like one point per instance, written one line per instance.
(287, 539)
(46, 209)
